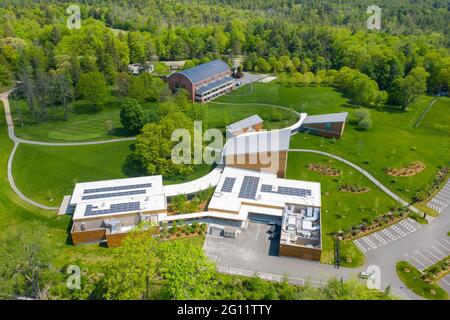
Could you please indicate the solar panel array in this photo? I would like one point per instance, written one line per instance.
(266, 188)
(249, 187)
(118, 188)
(114, 208)
(228, 184)
(294, 191)
(113, 194)
(289, 191)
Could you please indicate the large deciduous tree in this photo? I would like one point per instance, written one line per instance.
(132, 115)
(132, 272)
(92, 87)
(405, 91)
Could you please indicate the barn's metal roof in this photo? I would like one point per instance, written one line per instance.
(215, 84)
(330, 117)
(206, 70)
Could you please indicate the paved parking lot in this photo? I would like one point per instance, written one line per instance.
(388, 235)
(253, 252)
(441, 200)
(445, 283)
(427, 256)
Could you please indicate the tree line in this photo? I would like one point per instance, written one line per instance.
(146, 267)
(38, 49)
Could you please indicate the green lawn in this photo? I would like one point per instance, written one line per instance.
(84, 123)
(219, 116)
(411, 277)
(45, 174)
(17, 216)
(392, 141)
(340, 210)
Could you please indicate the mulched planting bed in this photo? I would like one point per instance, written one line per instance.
(354, 188)
(325, 170)
(410, 170)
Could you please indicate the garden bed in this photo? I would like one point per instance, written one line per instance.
(375, 225)
(178, 231)
(354, 188)
(410, 170)
(324, 170)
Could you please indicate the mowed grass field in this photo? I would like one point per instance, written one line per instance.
(17, 217)
(45, 174)
(340, 210)
(85, 123)
(391, 142)
(221, 115)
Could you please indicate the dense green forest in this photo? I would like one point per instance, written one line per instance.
(278, 36)
(303, 42)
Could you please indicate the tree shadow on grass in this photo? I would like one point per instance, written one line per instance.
(120, 132)
(132, 167)
(390, 109)
(82, 107)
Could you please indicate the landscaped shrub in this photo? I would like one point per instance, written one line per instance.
(363, 119)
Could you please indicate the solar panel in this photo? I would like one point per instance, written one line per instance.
(106, 189)
(228, 184)
(266, 188)
(286, 190)
(113, 194)
(249, 187)
(114, 208)
(294, 191)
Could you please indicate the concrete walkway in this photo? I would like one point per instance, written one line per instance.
(366, 174)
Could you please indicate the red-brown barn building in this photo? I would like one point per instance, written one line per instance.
(204, 82)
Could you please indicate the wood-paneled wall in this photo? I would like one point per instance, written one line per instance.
(300, 252)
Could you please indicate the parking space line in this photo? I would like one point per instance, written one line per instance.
(445, 280)
(434, 255)
(370, 243)
(419, 262)
(360, 246)
(380, 238)
(445, 192)
(430, 261)
(398, 230)
(445, 248)
(438, 201)
(390, 235)
(441, 199)
(408, 226)
(445, 240)
(439, 251)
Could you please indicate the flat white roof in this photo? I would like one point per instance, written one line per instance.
(330, 117)
(237, 186)
(245, 123)
(257, 142)
(114, 197)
